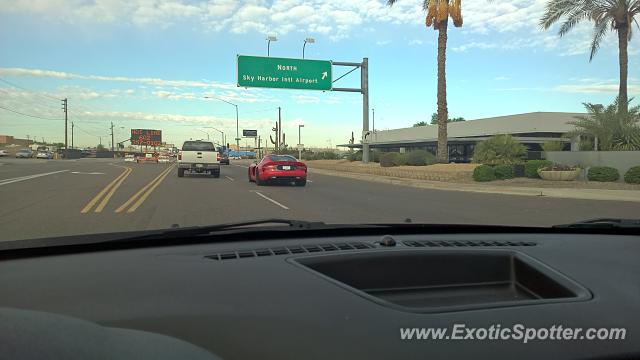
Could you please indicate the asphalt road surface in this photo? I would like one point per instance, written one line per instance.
(45, 198)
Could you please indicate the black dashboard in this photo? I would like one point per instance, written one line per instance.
(338, 297)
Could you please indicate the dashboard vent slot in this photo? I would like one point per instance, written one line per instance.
(284, 250)
(445, 243)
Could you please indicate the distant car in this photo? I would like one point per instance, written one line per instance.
(24, 153)
(278, 168)
(149, 157)
(129, 158)
(224, 159)
(4, 153)
(44, 155)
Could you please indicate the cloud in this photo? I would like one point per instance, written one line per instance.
(228, 91)
(501, 78)
(474, 45)
(415, 42)
(594, 86)
(305, 99)
(383, 42)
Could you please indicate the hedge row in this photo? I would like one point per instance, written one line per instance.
(413, 158)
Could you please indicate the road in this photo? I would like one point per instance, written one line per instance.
(44, 198)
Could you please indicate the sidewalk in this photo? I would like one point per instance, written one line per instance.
(568, 193)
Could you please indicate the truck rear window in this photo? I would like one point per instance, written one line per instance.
(198, 146)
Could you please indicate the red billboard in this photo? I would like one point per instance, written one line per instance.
(146, 137)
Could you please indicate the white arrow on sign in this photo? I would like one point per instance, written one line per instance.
(324, 75)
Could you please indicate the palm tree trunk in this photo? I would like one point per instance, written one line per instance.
(443, 115)
(623, 41)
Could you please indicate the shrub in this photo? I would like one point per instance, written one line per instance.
(603, 173)
(632, 176)
(552, 146)
(374, 156)
(531, 167)
(401, 160)
(484, 173)
(356, 156)
(504, 172)
(388, 159)
(420, 158)
(586, 145)
(499, 150)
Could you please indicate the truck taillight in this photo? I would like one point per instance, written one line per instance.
(179, 156)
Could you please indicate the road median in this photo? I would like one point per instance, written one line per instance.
(459, 180)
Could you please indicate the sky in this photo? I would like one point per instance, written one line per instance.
(149, 64)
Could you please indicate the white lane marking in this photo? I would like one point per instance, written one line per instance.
(28, 177)
(240, 166)
(309, 181)
(87, 173)
(230, 178)
(270, 199)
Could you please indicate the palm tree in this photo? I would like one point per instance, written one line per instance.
(614, 15)
(438, 12)
(610, 129)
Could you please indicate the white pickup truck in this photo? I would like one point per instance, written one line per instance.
(200, 157)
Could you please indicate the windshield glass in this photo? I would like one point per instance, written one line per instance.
(157, 114)
(197, 146)
(282, 158)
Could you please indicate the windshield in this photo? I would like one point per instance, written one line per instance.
(197, 146)
(282, 158)
(159, 114)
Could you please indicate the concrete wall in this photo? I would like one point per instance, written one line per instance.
(621, 160)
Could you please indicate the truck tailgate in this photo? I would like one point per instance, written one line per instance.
(200, 157)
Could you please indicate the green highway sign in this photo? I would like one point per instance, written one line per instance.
(283, 73)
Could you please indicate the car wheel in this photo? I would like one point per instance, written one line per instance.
(180, 172)
(258, 181)
(301, 182)
(249, 175)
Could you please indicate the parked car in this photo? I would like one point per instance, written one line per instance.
(24, 153)
(4, 153)
(278, 168)
(44, 155)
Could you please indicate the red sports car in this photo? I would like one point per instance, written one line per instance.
(278, 168)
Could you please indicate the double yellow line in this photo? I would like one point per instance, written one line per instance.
(142, 195)
(106, 193)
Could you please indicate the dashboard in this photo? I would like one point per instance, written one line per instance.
(338, 297)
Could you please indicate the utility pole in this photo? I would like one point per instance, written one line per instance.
(112, 136)
(66, 144)
(72, 125)
(364, 85)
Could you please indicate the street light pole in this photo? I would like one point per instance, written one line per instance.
(270, 38)
(300, 141)
(237, 117)
(307, 40)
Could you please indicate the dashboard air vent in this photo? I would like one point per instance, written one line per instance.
(445, 243)
(285, 250)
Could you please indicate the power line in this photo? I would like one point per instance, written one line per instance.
(29, 115)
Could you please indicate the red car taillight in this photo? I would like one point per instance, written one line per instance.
(179, 156)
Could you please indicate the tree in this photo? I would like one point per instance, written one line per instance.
(434, 119)
(610, 128)
(614, 15)
(438, 13)
(100, 147)
(420, 123)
